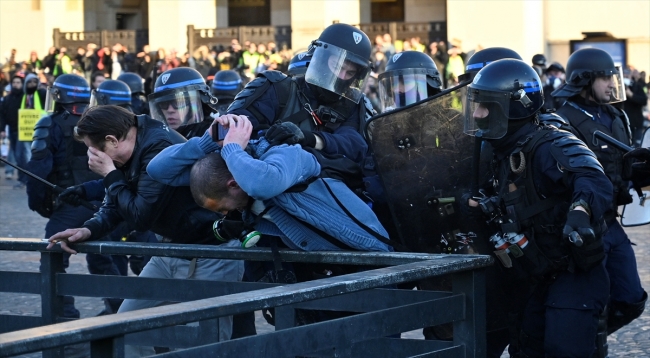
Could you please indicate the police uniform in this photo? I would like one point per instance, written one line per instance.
(627, 297)
(548, 186)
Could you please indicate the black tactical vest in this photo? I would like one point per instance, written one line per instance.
(611, 159)
(74, 170)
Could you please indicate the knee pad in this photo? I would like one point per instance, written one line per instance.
(622, 313)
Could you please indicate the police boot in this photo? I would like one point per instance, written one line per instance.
(111, 305)
(621, 313)
(69, 310)
(601, 335)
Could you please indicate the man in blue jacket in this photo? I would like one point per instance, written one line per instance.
(256, 178)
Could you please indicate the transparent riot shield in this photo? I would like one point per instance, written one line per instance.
(637, 213)
(424, 161)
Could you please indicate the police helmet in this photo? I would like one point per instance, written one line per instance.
(410, 76)
(70, 90)
(177, 97)
(584, 67)
(340, 61)
(555, 66)
(504, 90)
(298, 64)
(481, 58)
(539, 60)
(226, 84)
(134, 81)
(111, 92)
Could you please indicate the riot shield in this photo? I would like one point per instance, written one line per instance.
(425, 163)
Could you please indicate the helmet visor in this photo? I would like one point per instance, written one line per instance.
(608, 86)
(338, 71)
(94, 101)
(176, 107)
(50, 100)
(401, 88)
(485, 113)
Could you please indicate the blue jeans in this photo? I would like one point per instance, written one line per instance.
(22, 153)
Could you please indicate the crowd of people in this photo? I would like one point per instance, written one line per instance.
(185, 168)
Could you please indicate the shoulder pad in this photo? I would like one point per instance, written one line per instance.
(573, 155)
(44, 122)
(253, 90)
(553, 119)
(273, 76)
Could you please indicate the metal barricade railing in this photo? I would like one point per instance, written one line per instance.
(380, 312)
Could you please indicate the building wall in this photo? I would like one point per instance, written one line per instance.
(280, 12)
(515, 24)
(28, 25)
(626, 19)
(309, 18)
(425, 10)
(168, 21)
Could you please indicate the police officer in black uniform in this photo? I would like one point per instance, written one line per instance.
(410, 76)
(113, 92)
(225, 86)
(593, 83)
(547, 201)
(60, 159)
(136, 85)
(299, 63)
(327, 103)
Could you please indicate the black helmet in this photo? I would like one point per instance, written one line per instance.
(226, 84)
(505, 90)
(481, 58)
(555, 66)
(582, 69)
(133, 80)
(340, 61)
(299, 63)
(68, 89)
(539, 60)
(410, 76)
(111, 92)
(178, 95)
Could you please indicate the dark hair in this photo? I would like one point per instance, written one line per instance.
(209, 178)
(98, 122)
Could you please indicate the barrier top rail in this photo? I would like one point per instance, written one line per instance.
(218, 252)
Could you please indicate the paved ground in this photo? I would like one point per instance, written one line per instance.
(16, 220)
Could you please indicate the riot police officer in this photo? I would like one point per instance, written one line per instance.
(136, 85)
(225, 86)
(548, 198)
(298, 64)
(112, 92)
(482, 58)
(61, 159)
(327, 103)
(182, 100)
(592, 84)
(410, 76)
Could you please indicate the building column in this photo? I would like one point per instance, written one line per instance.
(310, 18)
(222, 13)
(168, 21)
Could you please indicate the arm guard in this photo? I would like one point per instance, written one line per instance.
(573, 155)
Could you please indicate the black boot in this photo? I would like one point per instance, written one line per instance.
(622, 313)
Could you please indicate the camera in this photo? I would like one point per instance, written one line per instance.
(218, 132)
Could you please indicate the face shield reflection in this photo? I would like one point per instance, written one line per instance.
(485, 114)
(609, 88)
(401, 88)
(338, 71)
(176, 107)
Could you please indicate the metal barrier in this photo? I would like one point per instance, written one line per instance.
(133, 39)
(380, 312)
(281, 35)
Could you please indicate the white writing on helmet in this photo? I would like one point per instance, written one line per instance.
(357, 37)
(165, 77)
(397, 56)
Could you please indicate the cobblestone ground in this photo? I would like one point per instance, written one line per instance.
(17, 221)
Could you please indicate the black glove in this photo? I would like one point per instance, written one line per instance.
(636, 167)
(73, 195)
(473, 213)
(289, 133)
(591, 252)
(284, 133)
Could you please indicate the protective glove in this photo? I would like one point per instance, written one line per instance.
(473, 213)
(73, 195)
(636, 167)
(591, 252)
(289, 133)
(226, 230)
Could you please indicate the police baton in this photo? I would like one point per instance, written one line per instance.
(57, 189)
